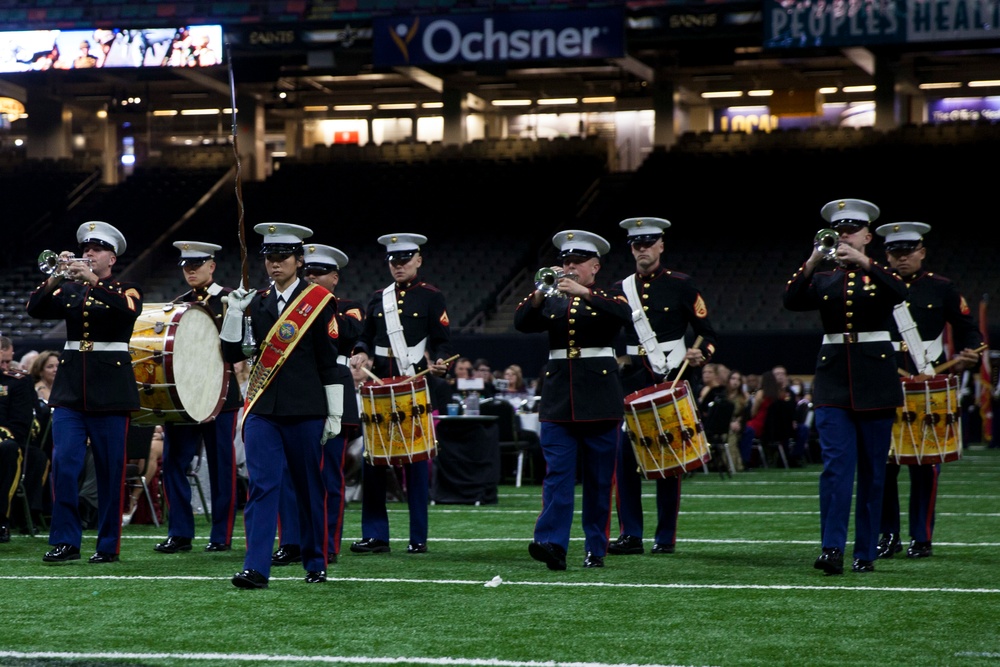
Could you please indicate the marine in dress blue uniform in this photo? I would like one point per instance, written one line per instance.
(423, 315)
(934, 301)
(294, 400)
(856, 389)
(582, 403)
(323, 264)
(671, 303)
(182, 442)
(94, 392)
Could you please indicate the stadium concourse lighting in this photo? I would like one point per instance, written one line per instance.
(858, 89)
(352, 107)
(828, 90)
(760, 93)
(603, 99)
(432, 105)
(984, 83)
(200, 112)
(511, 103)
(721, 94)
(939, 86)
(557, 100)
(397, 106)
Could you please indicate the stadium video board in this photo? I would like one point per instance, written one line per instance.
(182, 46)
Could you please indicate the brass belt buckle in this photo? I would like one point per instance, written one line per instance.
(850, 337)
(572, 352)
(642, 351)
(86, 345)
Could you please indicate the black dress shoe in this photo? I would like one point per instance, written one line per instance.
(663, 548)
(889, 545)
(173, 544)
(217, 546)
(4, 534)
(416, 548)
(317, 577)
(862, 566)
(103, 557)
(249, 579)
(553, 555)
(830, 561)
(370, 545)
(919, 550)
(593, 560)
(62, 553)
(626, 545)
(286, 555)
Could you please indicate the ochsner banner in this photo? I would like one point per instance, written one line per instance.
(507, 37)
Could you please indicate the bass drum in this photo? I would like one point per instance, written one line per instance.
(178, 366)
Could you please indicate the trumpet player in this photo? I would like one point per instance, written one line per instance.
(934, 302)
(856, 389)
(582, 403)
(665, 304)
(94, 391)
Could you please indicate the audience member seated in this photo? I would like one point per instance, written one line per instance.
(516, 392)
(769, 392)
(737, 394)
(15, 423)
(712, 386)
(151, 466)
(483, 370)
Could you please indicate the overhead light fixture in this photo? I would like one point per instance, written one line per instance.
(397, 106)
(511, 103)
(557, 100)
(984, 83)
(721, 93)
(165, 112)
(760, 93)
(352, 107)
(432, 105)
(316, 107)
(858, 89)
(938, 86)
(200, 112)
(828, 90)
(602, 99)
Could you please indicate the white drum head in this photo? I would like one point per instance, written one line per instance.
(199, 370)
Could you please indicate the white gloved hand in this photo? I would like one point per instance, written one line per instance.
(232, 324)
(239, 299)
(335, 410)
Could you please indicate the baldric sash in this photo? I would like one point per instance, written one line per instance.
(286, 333)
(647, 337)
(911, 336)
(394, 328)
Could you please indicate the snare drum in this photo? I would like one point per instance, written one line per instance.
(177, 361)
(928, 428)
(396, 421)
(666, 434)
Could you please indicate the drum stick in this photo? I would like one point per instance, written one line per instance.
(428, 370)
(948, 364)
(684, 366)
(372, 375)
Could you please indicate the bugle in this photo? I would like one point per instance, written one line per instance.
(547, 278)
(826, 242)
(52, 264)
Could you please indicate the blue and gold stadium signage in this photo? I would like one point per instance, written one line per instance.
(507, 37)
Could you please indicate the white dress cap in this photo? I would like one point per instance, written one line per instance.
(577, 242)
(281, 237)
(850, 210)
(903, 234)
(401, 246)
(193, 252)
(325, 256)
(102, 234)
(644, 229)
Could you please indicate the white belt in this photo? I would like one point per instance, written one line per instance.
(582, 353)
(416, 352)
(343, 360)
(92, 346)
(860, 337)
(667, 346)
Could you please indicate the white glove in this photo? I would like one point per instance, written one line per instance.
(335, 410)
(232, 324)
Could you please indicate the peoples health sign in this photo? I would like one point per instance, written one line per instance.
(804, 23)
(507, 37)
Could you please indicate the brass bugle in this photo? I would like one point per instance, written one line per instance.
(826, 243)
(547, 278)
(50, 262)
